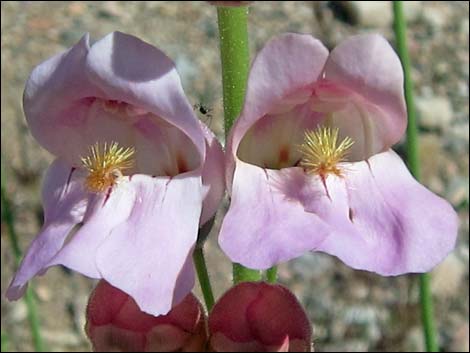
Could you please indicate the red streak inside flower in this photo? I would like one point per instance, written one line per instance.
(181, 164)
(283, 156)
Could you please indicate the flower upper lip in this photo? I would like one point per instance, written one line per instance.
(120, 68)
(363, 71)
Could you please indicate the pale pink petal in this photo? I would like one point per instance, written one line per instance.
(357, 121)
(104, 213)
(107, 93)
(185, 281)
(59, 88)
(273, 141)
(145, 255)
(212, 175)
(281, 77)
(385, 221)
(266, 223)
(163, 149)
(368, 67)
(127, 69)
(64, 201)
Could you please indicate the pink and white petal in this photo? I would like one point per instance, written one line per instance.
(104, 126)
(396, 225)
(266, 223)
(104, 213)
(57, 98)
(130, 70)
(212, 175)
(368, 66)
(273, 141)
(185, 281)
(357, 122)
(162, 149)
(145, 255)
(64, 203)
(287, 64)
(282, 74)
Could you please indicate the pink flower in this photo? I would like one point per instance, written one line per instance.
(115, 323)
(136, 173)
(310, 165)
(259, 317)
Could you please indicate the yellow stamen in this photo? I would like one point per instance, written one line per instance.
(320, 153)
(105, 164)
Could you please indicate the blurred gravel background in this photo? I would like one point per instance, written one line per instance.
(351, 310)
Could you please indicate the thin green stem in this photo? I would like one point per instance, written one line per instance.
(271, 275)
(33, 319)
(4, 342)
(235, 56)
(203, 276)
(427, 313)
(244, 274)
(412, 130)
(427, 310)
(9, 219)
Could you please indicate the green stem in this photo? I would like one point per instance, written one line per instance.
(9, 219)
(427, 310)
(271, 275)
(33, 319)
(203, 276)
(427, 313)
(412, 130)
(4, 342)
(235, 56)
(244, 274)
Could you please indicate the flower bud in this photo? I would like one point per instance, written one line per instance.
(115, 323)
(259, 317)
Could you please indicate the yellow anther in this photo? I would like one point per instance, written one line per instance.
(321, 154)
(105, 164)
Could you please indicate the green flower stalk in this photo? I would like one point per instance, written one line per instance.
(9, 218)
(203, 276)
(234, 52)
(427, 310)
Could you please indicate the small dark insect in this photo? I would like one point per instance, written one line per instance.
(205, 111)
